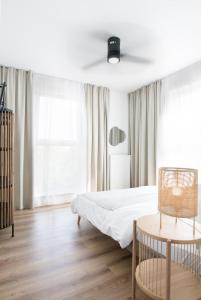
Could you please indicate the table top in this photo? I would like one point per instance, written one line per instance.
(180, 231)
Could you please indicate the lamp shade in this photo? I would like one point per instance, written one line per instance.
(178, 192)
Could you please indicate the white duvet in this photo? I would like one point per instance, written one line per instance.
(115, 199)
(113, 212)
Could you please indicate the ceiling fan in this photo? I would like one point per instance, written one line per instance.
(114, 55)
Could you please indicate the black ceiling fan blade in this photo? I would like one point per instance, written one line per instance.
(136, 59)
(94, 64)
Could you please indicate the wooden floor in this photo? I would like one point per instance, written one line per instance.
(51, 258)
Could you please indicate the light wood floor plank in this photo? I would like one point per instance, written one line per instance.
(51, 258)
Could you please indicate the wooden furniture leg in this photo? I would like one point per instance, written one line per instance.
(134, 256)
(168, 269)
(13, 230)
(78, 220)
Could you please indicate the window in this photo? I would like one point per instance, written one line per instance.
(59, 148)
(179, 141)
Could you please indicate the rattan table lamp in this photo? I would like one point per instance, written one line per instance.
(178, 193)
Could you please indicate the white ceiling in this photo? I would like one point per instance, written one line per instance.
(59, 37)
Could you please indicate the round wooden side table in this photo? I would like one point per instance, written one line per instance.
(169, 264)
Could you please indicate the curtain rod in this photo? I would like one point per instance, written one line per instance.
(18, 69)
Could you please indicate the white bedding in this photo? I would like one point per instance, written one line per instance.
(113, 212)
(115, 199)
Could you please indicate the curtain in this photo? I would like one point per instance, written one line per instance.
(143, 121)
(97, 106)
(19, 99)
(59, 140)
(179, 139)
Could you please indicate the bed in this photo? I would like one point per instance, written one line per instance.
(113, 212)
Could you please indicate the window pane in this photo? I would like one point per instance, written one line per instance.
(59, 140)
(57, 119)
(179, 139)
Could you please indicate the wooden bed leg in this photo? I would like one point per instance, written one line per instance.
(13, 230)
(78, 220)
(134, 258)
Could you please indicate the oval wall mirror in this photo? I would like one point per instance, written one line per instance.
(117, 136)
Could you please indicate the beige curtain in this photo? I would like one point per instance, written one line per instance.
(97, 107)
(143, 119)
(19, 99)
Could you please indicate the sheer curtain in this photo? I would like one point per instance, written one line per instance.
(59, 140)
(179, 139)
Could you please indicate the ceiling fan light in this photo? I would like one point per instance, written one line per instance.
(113, 56)
(113, 60)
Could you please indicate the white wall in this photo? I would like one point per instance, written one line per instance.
(119, 117)
(119, 164)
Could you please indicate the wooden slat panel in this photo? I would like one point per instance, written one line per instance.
(6, 169)
(1, 190)
(11, 166)
(3, 174)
